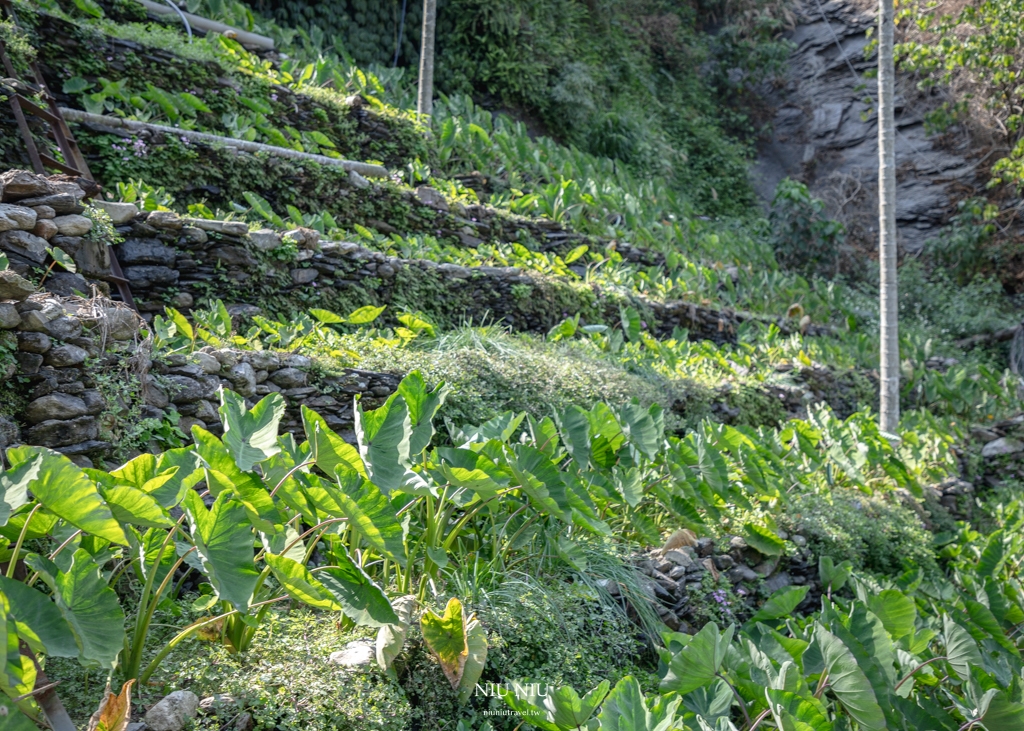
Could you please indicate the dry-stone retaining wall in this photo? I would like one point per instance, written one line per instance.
(73, 369)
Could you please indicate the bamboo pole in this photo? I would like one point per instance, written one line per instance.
(360, 168)
(204, 24)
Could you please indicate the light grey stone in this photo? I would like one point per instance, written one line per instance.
(1003, 445)
(119, 212)
(61, 433)
(33, 342)
(430, 197)
(289, 378)
(679, 558)
(304, 276)
(243, 377)
(265, 239)
(231, 228)
(73, 225)
(45, 229)
(14, 287)
(356, 655)
(9, 317)
(173, 712)
(44, 213)
(165, 219)
(208, 363)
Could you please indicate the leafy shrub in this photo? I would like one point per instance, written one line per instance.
(802, 237)
(875, 533)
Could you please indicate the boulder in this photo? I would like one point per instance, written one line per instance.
(9, 432)
(207, 362)
(357, 655)
(1001, 446)
(55, 406)
(289, 378)
(234, 256)
(14, 286)
(61, 433)
(18, 184)
(16, 218)
(24, 243)
(243, 377)
(183, 390)
(44, 213)
(230, 228)
(265, 239)
(9, 317)
(165, 219)
(67, 284)
(45, 229)
(173, 712)
(679, 558)
(430, 197)
(119, 212)
(143, 277)
(73, 225)
(33, 342)
(59, 203)
(303, 276)
(146, 251)
(65, 356)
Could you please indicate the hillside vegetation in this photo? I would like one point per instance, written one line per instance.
(549, 426)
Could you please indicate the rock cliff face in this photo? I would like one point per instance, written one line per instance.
(825, 131)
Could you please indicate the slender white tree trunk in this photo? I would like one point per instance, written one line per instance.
(889, 409)
(426, 94)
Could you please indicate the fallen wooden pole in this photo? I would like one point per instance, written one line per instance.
(205, 24)
(360, 168)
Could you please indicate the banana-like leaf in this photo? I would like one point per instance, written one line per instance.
(251, 436)
(384, 436)
(699, 662)
(848, 683)
(423, 405)
(358, 596)
(89, 607)
(626, 709)
(38, 620)
(224, 541)
(115, 711)
(66, 491)
(445, 635)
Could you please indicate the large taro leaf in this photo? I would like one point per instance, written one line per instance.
(763, 540)
(14, 485)
(17, 671)
(115, 711)
(384, 435)
(67, 492)
(391, 637)
(557, 709)
(89, 607)
(847, 681)
(476, 643)
(781, 604)
(896, 610)
(327, 449)
(445, 635)
(359, 597)
(300, 584)
(13, 718)
(369, 513)
(164, 478)
(541, 481)
(698, 663)
(224, 541)
(575, 428)
(643, 427)
(626, 709)
(132, 506)
(251, 436)
(1003, 713)
(38, 620)
(423, 405)
(794, 712)
(961, 650)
